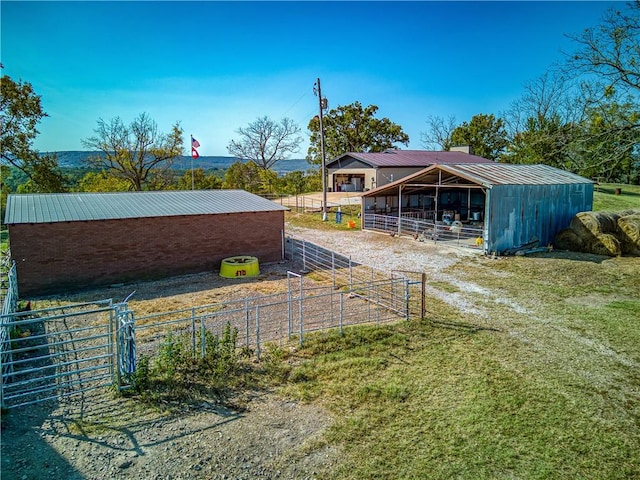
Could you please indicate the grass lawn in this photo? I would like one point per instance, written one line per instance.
(544, 384)
(604, 197)
(550, 389)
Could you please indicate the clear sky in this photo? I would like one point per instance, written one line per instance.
(217, 66)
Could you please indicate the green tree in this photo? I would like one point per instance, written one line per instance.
(543, 140)
(610, 54)
(271, 182)
(20, 112)
(611, 50)
(352, 128)
(607, 146)
(485, 134)
(135, 152)
(102, 182)
(266, 142)
(294, 183)
(243, 176)
(201, 180)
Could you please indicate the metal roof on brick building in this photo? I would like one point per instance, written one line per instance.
(71, 207)
(409, 158)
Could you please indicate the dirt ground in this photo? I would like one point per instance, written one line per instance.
(100, 436)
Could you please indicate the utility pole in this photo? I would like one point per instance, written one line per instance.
(322, 102)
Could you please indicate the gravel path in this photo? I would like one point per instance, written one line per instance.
(388, 253)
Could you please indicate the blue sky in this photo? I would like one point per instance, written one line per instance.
(218, 66)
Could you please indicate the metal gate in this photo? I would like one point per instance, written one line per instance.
(67, 350)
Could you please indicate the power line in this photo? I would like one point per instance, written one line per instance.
(304, 94)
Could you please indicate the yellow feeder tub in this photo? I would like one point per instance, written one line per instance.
(239, 267)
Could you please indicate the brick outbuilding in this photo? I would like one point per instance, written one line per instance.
(77, 240)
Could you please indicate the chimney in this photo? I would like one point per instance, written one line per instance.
(462, 148)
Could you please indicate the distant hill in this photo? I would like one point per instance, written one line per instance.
(76, 159)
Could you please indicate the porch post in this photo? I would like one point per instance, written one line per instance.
(400, 210)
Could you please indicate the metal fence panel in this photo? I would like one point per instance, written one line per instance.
(455, 234)
(56, 352)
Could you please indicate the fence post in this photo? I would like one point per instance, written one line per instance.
(350, 274)
(246, 320)
(341, 313)
(193, 331)
(377, 288)
(300, 313)
(258, 332)
(333, 268)
(283, 241)
(289, 307)
(304, 256)
(203, 338)
(423, 294)
(407, 297)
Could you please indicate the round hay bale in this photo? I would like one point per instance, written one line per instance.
(567, 239)
(629, 234)
(587, 224)
(604, 244)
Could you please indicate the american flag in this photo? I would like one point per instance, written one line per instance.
(194, 144)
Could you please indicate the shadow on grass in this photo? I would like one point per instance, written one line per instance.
(574, 256)
(462, 326)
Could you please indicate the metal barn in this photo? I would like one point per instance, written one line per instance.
(495, 207)
(71, 241)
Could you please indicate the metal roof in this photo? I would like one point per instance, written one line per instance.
(410, 158)
(71, 207)
(487, 175)
(515, 174)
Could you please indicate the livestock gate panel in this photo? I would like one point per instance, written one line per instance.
(58, 352)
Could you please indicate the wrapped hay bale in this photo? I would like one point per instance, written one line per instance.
(567, 239)
(629, 233)
(604, 244)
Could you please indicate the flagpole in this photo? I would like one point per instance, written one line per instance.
(192, 176)
(194, 154)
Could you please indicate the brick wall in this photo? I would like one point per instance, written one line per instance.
(53, 257)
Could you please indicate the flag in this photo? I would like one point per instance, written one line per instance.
(194, 144)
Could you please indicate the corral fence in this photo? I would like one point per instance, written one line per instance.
(65, 350)
(71, 349)
(426, 230)
(9, 297)
(301, 203)
(279, 318)
(343, 272)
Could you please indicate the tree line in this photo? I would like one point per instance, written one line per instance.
(581, 116)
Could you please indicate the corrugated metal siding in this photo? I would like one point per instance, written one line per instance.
(48, 208)
(518, 213)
